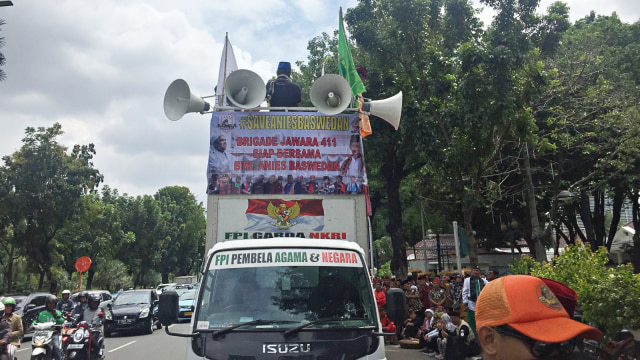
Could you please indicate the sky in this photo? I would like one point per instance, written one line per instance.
(101, 68)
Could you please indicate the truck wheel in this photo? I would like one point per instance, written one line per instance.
(158, 325)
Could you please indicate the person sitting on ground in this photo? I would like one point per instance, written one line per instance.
(519, 317)
(461, 343)
(387, 325)
(447, 332)
(411, 328)
(428, 344)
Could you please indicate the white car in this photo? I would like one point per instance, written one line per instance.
(161, 287)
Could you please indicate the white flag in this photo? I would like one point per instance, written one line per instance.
(227, 66)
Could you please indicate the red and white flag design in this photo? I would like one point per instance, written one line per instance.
(285, 215)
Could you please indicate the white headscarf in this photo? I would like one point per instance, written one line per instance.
(433, 314)
(446, 320)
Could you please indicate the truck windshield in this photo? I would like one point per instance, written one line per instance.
(290, 287)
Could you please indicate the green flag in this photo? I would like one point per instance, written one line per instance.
(345, 63)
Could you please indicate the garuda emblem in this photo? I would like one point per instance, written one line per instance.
(283, 215)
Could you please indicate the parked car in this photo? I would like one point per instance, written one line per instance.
(185, 305)
(28, 306)
(160, 288)
(135, 310)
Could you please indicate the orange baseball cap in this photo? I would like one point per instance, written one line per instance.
(526, 304)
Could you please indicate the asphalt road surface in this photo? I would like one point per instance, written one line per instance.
(160, 346)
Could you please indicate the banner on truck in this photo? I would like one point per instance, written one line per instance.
(285, 152)
(330, 218)
(284, 257)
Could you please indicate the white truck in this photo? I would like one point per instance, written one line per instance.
(271, 289)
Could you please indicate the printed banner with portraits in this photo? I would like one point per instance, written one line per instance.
(285, 152)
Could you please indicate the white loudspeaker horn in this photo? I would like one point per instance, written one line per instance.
(330, 94)
(178, 100)
(245, 89)
(388, 109)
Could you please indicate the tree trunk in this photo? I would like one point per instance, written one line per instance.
(618, 200)
(467, 212)
(598, 218)
(585, 215)
(399, 265)
(536, 232)
(41, 280)
(165, 278)
(90, 274)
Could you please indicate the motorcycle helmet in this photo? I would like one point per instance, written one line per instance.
(66, 292)
(94, 301)
(83, 294)
(9, 301)
(51, 299)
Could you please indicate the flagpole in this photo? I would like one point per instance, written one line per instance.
(224, 79)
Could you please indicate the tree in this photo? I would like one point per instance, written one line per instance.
(141, 219)
(3, 75)
(46, 185)
(183, 231)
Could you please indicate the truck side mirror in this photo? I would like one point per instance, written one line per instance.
(168, 309)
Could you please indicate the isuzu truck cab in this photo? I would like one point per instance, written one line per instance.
(288, 298)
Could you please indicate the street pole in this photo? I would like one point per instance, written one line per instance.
(438, 249)
(456, 241)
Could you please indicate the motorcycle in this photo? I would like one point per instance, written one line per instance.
(80, 347)
(42, 340)
(623, 347)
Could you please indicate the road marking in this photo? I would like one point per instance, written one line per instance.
(23, 349)
(120, 347)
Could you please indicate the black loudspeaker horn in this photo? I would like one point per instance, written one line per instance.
(330, 94)
(245, 89)
(178, 100)
(388, 109)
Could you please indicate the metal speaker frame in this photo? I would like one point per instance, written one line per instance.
(330, 94)
(178, 100)
(245, 89)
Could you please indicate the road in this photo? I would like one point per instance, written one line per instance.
(161, 346)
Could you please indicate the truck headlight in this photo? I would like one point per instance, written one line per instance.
(144, 313)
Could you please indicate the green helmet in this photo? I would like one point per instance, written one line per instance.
(9, 301)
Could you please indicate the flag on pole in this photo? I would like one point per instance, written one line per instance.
(346, 68)
(227, 66)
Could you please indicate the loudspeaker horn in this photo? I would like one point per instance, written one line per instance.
(388, 109)
(330, 94)
(245, 89)
(178, 100)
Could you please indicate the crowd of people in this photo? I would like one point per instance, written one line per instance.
(458, 316)
(278, 185)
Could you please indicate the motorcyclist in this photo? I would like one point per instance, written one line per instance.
(81, 306)
(14, 320)
(66, 304)
(92, 315)
(50, 314)
(6, 348)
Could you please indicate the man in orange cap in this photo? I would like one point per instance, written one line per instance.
(519, 317)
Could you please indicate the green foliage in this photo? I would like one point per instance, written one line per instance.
(608, 297)
(385, 270)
